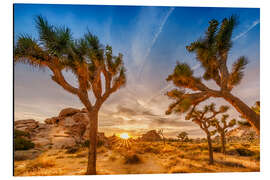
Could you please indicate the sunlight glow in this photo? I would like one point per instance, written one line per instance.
(124, 136)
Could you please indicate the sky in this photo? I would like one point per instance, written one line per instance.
(152, 39)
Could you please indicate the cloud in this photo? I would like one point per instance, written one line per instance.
(247, 30)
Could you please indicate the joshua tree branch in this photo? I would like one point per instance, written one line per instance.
(60, 79)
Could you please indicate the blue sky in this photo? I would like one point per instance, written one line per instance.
(151, 39)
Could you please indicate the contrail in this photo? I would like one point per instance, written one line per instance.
(155, 38)
(248, 29)
(159, 93)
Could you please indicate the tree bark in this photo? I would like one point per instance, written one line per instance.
(210, 149)
(223, 142)
(91, 167)
(244, 110)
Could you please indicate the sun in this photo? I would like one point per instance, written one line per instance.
(124, 136)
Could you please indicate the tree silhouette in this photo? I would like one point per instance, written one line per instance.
(86, 58)
(223, 129)
(183, 136)
(204, 118)
(212, 53)
(160, 132)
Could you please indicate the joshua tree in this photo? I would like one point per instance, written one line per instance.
(204, 119)
(86, 58)
(223, 129)
(212, 54)
(160, 132)
(183, 136)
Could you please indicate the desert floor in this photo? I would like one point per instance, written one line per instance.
(143, 158)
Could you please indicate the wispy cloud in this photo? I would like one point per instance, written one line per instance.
(247, 30)
(155, 39)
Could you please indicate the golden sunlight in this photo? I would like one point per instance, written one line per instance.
(124, 136)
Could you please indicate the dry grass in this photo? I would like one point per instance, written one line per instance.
(145, 157)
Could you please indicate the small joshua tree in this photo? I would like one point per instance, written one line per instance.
(160, 132)
(223, 129)
(86, 58)
(183, 136)
(204, 118)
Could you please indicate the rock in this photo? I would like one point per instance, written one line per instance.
(41, 141)
(26, 125)
(68, 112)
(63, 142)
(68, 129)
(26, 154)
(151, 136)
(53, 120)
(81, 118)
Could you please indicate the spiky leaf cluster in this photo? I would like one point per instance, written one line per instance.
(86, 57)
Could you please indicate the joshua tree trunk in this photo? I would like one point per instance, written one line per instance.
(243, 109)
(91, 167)
(163, 141)
(223, 142)
(210, 149)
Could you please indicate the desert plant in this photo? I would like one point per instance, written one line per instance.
(160, 132)
(212, 53)
(21, 142)
(132, 159)
(183, 136)
(204, 118)
(86, 58)
(223, 129)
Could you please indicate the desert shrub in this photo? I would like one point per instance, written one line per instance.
(40, 162)
(233, 164)
(21, 143)
(72, 150)
(257, 156)
(59, 157)
(232, 152)
(18, 133)
(244, 152)
(150, 149)
(102, 150)
(216, 149)
(83, 154)
(132, 159)
(112, 157)
(87, 142)
(100, 143)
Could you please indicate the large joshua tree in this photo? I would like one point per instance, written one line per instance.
(222, 128)
(86, 58)
(212, 53)
(204, 119)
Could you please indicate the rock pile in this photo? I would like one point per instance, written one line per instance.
(69, 128)
(151, 136)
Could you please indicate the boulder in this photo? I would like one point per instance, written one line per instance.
(68, 112)
(151, 136)
(68, 129)
(26, 125)
(53, 120)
